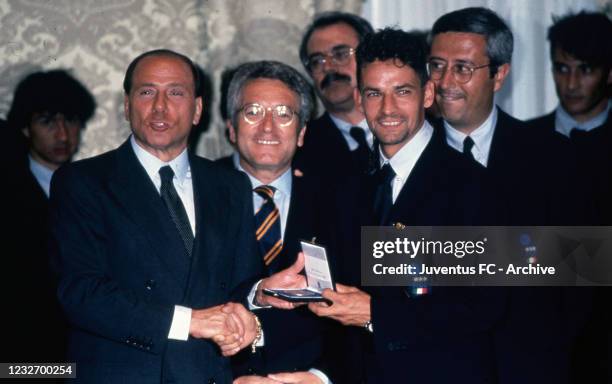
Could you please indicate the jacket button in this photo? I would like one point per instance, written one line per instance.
(212, 381)
(222, 285)
(150, 284)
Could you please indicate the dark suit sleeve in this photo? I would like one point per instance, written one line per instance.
(91, 299)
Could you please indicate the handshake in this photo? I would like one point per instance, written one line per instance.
(231, 326)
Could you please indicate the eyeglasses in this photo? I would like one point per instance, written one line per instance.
(339, 56)
(462, 73)
(254, 113)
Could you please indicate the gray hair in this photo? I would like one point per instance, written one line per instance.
(482, 21)
(270, 70)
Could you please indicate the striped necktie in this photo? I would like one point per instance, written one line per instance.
(267, 225)
(175, 207)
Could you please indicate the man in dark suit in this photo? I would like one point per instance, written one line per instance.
(532, 176)
(339, 141)
(582, 71)
(269, 104)
(151, 243)
(48, 113)
(444, 336)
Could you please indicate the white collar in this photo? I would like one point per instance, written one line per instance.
(404, 160)
(482, 136)
(152, 164)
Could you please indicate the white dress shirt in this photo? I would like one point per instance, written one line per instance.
(482, 136)
(345, 128)
(404, 160)
(42, 174)
(181, 320)
(282, 195)
(564, 123)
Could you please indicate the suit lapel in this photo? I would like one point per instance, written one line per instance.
(419, 184)
(138, 197)
(211, 207)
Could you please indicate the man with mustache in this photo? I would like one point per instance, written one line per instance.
(339, 141)
(532, 175)
(49, 112)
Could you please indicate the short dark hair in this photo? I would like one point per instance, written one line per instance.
(482, 21)
(586, 36)
(270, 70)
(404, 48)
(51, 92)
(360, 25)
(129, 73)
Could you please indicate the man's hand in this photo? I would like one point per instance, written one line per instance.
(246, 319)
(296, 377)
(226, 325)
(289, 278)
(351, 306)
(255, 380)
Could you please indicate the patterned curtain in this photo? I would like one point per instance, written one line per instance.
(97, 39)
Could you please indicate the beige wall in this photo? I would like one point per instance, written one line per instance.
(97, 39)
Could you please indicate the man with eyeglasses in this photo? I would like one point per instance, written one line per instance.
(469, 60)
(269, 104)
(339, 141)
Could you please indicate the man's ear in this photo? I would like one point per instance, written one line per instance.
(429, 94)
(300, 139)
(357, 99)
(500, 76)
(231, 130)
(198, 110)
(126, 107)
(26, 131)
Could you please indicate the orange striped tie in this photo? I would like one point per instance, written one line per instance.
(267, 225)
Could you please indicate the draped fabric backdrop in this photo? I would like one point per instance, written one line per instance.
(529, 91)
(97, 39)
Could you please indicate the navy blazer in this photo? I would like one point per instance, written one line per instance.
(123, 268)
(294, 340)
(446, 335)
(325, 152)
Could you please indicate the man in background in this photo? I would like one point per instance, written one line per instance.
(48, 113)
(338, 142)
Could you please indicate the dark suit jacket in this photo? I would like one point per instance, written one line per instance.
(123, 267)
(325, 152)
(591, 353)
(444, 336)
(26, 256)
(294, 340)
(533, 177)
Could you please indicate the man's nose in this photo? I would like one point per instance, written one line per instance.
(573, 79)
(267, 124)
(388, 104)
(61, 129)
(447, 80)
(160, 102)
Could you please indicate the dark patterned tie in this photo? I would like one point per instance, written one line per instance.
(267, 225)
(383, 200)
(175, 207)
(362, 153)
(468, 144)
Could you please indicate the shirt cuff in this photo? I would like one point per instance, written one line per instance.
(251, 297)
(323, 377)
(181, 321)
